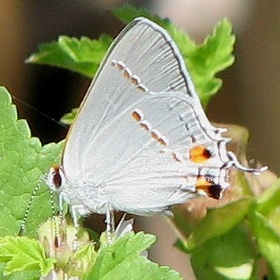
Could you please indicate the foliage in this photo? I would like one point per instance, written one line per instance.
(204, 61)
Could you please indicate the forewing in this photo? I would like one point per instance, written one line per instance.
(152, 57)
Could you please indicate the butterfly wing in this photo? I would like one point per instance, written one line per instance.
(150, 54)
(130, 146)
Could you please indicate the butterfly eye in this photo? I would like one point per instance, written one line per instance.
(55, 178)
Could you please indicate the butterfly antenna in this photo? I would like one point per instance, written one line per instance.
(56, 226)
(33, 195)
(39, 112)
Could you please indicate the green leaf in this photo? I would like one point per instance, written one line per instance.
(204, 61)
(30, 275)
(82, 56)
(23, 162)
(213, 56)
(22, 165)
(69, 118)
(122, 260)
(266, 224)
(217, 222)
(23, 254)
(231, 256)
(83, 259)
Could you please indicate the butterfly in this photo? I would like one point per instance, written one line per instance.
(141, 141)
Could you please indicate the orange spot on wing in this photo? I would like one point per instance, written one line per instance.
(199, 154)
(146, 125)
(202, 183)
(126, 73)
(210, 188)
(155, 134)
(135, 80)
(163, 141)
(136, 116)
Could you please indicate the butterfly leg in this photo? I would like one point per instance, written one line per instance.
(110, 224)
(77, 211)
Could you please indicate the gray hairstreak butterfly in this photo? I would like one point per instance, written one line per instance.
(141, 141)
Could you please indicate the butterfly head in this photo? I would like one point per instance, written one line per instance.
(55, 178)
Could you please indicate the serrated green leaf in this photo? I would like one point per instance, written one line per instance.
(23, 162)
(231, 256)
(213, 56)
(82, 56)
(218, 221)
(265, 219)
(83, 259)
(21, 275)
(23, 254)
(204, 61)
(122, 260)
